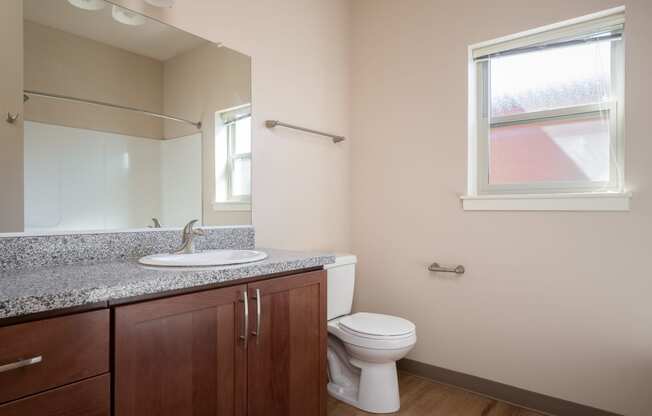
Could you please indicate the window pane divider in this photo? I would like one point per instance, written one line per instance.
(552, 114)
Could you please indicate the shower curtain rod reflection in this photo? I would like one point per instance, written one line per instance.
(197, 124)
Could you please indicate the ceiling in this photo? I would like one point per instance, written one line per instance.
(152, 39)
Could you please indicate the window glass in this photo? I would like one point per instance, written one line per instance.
(241, 177)
(550, 78)
(558, 150)
(243, 136)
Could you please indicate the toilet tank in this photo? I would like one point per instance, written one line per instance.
(340, 285)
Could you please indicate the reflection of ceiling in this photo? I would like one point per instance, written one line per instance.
(153, 39)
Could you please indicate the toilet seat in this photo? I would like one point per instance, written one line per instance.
(374, 331)
(376, 325)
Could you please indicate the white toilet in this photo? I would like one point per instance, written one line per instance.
(363, 347)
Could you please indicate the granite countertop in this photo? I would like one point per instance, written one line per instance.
(24, 292)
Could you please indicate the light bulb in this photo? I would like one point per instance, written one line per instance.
(88, 4)
(127, 17)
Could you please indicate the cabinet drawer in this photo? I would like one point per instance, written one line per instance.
(85, 398)
(41, 355)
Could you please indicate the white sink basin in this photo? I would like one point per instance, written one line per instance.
(204, 258)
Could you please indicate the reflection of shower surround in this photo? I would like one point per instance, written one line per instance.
(79, 179)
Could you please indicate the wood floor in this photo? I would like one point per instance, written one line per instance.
(422, 397)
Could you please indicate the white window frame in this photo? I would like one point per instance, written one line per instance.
(222, 196)
(231, 158)
(481, 195)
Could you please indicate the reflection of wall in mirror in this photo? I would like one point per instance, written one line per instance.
(11, 134)
(202, 82)
(62, 63)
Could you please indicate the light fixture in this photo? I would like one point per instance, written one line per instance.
(161, 3)
(127, 17)
(88, 4)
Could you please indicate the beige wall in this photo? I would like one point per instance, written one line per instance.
(11, 135)
(61, 63)
(202, 81)
(299, 50)
(197, 84)
(558, 303)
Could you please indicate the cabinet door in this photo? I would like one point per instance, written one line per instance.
(181, 356)
(11, 101)
(287, 351)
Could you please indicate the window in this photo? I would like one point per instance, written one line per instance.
(239, 159)
(548, 113)
(233, 159)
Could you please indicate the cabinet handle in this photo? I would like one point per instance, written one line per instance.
(20, 364)
(245, 329)
(258, 314)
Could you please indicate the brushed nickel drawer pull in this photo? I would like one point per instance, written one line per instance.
(259, 300)
(20, 364)
(245, 329)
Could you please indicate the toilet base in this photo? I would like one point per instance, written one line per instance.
(369, 386)
(347, 396)
(377, 390)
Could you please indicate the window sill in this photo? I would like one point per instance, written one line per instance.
(231, 206)
(548, 202)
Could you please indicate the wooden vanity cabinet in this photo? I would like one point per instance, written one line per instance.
(181, 355)
(256, 349)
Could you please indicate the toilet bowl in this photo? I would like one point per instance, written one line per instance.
(363, 347)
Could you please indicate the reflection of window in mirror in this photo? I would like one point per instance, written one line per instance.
(233, 159)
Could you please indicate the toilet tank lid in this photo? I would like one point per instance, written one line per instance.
(342, 259)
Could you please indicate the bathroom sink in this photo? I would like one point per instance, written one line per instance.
(204, 258)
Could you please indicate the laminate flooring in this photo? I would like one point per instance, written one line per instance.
(423, 397)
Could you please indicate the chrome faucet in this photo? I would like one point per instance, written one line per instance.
(187, 238)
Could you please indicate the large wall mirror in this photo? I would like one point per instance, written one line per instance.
(129, 123)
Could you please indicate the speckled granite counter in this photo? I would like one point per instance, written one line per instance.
(29, 291)
(38, 251)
